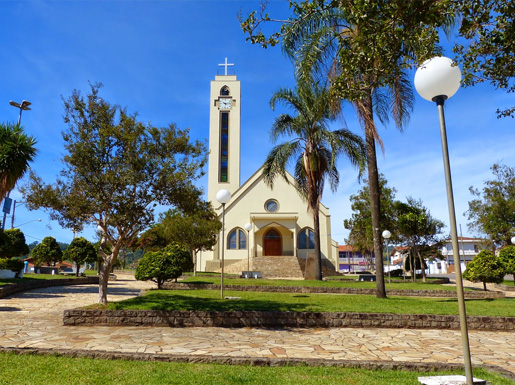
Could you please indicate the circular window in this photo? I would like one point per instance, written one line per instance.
(271, 206)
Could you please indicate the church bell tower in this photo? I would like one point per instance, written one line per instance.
(224, 134)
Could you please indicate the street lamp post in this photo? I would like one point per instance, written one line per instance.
(248, 227)
(23, 106)
(437, 80)
(223, 197)
(386, 236)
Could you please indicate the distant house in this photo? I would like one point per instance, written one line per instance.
(468, 249)
(350, 260)
(397, 257)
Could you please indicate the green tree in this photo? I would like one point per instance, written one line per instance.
(48, 251)
(485, 267)
(197, 231)
(313, 147)
(493, 211)
(364, 48)
(16, 152)
(116, 171)
(418, 229)
(164, 265)
(488, 53)
(80, 251)
(507, 257)
(360, 223)
(14, 244)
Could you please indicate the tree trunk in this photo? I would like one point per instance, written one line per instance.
(318, 253)
(194, 257)
(105, 269)
(375, 209)
(421, 260)
(484, 286)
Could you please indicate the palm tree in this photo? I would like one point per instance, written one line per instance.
(325, 45)
(312, 146)
(16, 151)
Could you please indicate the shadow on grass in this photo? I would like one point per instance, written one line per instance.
(160, 301)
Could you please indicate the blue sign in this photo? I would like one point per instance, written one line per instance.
(7, 205)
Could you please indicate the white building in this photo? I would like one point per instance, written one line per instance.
(281, 227)
(468, 249)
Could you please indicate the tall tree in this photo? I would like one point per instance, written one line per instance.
(312, 146)
(48, 251)
(364, 48)
(488, 53)
(16, 152)
(117, 170)
(492, 212)
(197, 231)
(360, 223)
(418, 229)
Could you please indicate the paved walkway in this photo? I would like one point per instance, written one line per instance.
(34, 320)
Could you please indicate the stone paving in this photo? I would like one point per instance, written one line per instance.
(34, 320)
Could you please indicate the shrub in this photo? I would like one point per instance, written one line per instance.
(164, 265)
(13, 264)
(48, 251)
(507, 257)
(485, 267)
(80, 251)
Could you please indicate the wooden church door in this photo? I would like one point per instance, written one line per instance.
(272, 243)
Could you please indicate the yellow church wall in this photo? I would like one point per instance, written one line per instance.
(247, 205)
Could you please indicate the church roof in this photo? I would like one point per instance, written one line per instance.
(257, 177)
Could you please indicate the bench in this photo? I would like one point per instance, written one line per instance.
(250, 274)
(367, 277)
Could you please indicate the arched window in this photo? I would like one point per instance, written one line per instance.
(225, 91)
(306, 239)
(237, 239)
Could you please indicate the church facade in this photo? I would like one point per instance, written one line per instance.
(279, 225)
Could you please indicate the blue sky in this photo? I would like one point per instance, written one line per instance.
(157, 58)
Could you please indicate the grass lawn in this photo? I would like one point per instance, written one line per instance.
(408, 285)
(210, 300)
(36, 370)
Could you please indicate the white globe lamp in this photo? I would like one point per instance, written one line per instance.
(437, 77)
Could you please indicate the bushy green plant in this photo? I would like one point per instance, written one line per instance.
(13, 264)
(164, 265)
(485, 267)
(80, 251)
(12, 243)
(507, 257)
(48, 251)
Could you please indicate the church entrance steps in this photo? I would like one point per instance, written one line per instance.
(269, 266)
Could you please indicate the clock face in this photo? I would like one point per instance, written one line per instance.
(224, 104)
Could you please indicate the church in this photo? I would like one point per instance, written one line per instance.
(268, 230)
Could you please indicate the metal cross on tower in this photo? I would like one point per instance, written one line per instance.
(225, 65)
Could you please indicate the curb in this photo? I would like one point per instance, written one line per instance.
(278, 319)
(257, 361)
